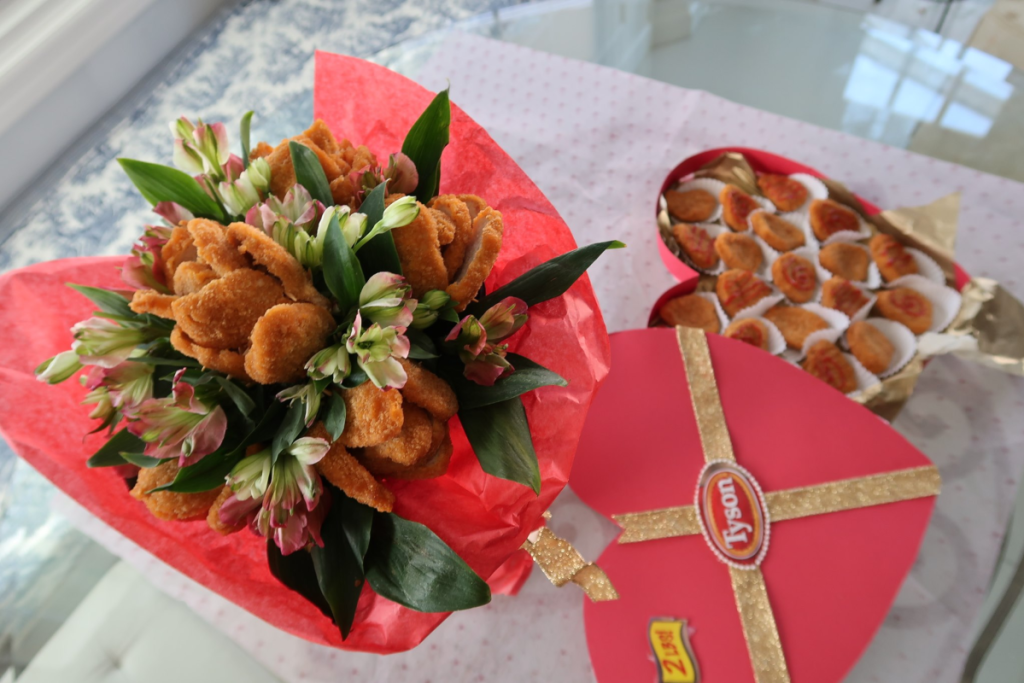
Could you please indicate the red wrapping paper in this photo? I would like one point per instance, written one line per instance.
(484, 519)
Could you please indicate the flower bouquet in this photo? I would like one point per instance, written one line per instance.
(380, 369)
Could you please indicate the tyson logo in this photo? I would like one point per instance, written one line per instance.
(733, 515)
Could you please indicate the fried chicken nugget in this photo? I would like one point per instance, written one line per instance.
(372, 415)
(345, 472)
(457, 213)
(465, 232)
(223, 313)
(445, 227)
(192, 276)
(428, 391)
(152, 301)
(213, 517)
(480, 258)
(230, 362)
(321, 136)
(261, 150)
(179, 249)
(283, 339)
(171, 505)
(343, 191)
(296, 281)
(435, 465)
(412, 445)
(282, 173)
(419, 252)
(214, 247)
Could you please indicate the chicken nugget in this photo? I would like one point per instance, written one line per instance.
(329, 165)
(739, 289)
(152, 301)
(321, 136)
(170, 505)
(179, 249)
(412, 445)
(691, 310)
(457, 213)
(228, 361)
(372, 415)
(343, 191)
(428, 391)
(344, 471)
(465, 231)
(214, 247)
(697, 244)
(736, 206)
(360, 158)
(282, 173)
(213, 518)
(222, 314)
(786, 194)
(795, 277)
(892, 257)
(826, 362)
(749, 331)
(419, 252)
(868, 345)
(907, 306)
(691, 206)
(846, 260)
(795, 324)
(434, 465)
(828, 217)
(445, 227)
(777, 232)
(283, 339)
(297, 282)
(192, 276)
(480, 258)
(261, 150)
(739, 250)
(842, 295)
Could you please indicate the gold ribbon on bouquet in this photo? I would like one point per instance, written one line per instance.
(563, 564)
(767, 656)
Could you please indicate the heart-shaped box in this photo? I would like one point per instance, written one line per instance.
(830, 578)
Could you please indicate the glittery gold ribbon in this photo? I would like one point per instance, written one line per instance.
(562, 563)
(763, 644)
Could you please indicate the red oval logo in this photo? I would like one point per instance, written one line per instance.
(733, 514)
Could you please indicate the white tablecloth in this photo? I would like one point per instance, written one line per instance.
(599, 142)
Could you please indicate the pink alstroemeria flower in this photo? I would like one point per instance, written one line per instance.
(285, 501)
(144, 269)
(384, 299)
(479, 341)
(172, 213)
(103, 342)
(402, 174)
(179, 426)
(124, 386)
(377, 350)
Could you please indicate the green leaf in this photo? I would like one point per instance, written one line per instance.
(309, 173)
(109, 455)
(500, 437)
(339, 564)
(358, 522)
(296, 572)
(165, 184)
(342, 271)
(289, 430)
(242, 400)
(550, 279)
(449, 315)
(421, 347)
(379, 254)
(243, 126)
(175, 362)
(334, 421)
(527, 377)
(107, 301)
(355, 378)
(426, 140)
(407, 563)
(143, 461)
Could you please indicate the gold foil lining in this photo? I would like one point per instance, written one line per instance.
(759, 629)
(930, 228)
(850, 494)
(820, 499)
(666, 523)
(562, 563)
(707, 406)
(731, 168)
(993, 317)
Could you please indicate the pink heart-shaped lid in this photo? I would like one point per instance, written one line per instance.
(830, 579)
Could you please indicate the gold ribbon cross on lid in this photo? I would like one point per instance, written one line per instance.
(735, 516)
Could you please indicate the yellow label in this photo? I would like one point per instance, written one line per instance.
(671, 648)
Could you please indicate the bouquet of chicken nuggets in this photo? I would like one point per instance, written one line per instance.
(298, 337)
